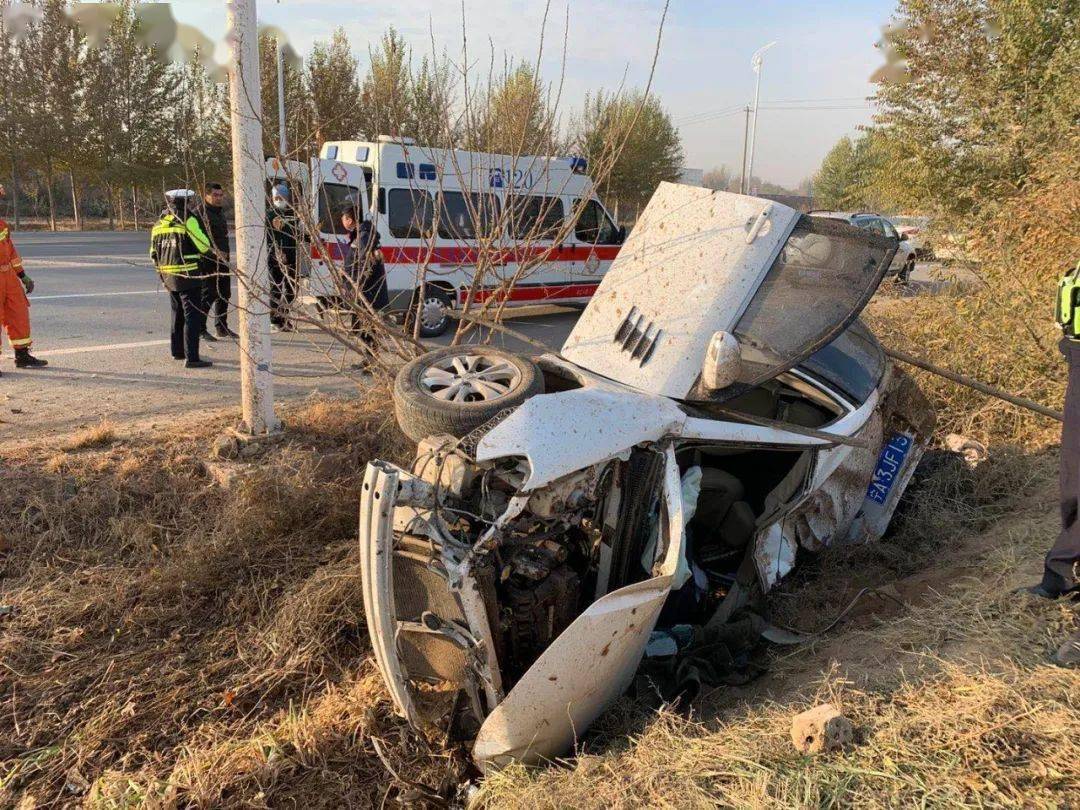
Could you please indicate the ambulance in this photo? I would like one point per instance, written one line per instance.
(439, 211)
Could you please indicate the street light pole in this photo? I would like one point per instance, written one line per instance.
(282, 143)
(745, 138)
(756, 62)
(245, 102)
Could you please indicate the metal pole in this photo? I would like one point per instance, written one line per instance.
(756, 62)
(282, 141)
(745, 138)
(256, 382)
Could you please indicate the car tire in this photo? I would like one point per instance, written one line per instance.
(435, 299)
(456, 389)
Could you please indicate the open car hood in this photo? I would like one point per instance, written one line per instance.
(701, 261)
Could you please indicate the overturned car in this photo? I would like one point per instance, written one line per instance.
(718, 411)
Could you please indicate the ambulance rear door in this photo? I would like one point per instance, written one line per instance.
(335, 185)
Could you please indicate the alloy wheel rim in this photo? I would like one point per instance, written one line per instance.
(470, 378)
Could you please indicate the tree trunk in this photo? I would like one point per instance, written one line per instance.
(75, 202)
(120, 206)
(15, 185)
(49, 197)
(135, 206)
(112, 219)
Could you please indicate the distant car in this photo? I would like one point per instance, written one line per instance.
(903, 260)
(718, 414)
(917, 231)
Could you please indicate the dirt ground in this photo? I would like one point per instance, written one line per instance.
(177, 630)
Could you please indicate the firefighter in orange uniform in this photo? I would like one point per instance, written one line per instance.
(14, 305)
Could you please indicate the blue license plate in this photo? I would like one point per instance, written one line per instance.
(889, 465)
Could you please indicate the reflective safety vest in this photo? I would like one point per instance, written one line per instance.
(175, 246)
(1067, 308)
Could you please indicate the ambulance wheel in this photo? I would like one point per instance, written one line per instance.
(434, 312)
(457, 389)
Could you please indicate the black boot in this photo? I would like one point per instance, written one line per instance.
(23, 359)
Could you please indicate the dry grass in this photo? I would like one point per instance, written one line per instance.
(98, 436)
(1001, 329)
(172, 641)
(952, 697)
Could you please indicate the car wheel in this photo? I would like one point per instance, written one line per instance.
(434, 312)
(457, 389)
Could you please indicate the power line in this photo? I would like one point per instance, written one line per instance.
(824, 103)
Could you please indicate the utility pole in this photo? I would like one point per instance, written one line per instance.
(282, 141)
(245, 101)
(745, 137)
(756, 62)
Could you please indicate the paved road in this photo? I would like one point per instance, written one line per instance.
(100, 317)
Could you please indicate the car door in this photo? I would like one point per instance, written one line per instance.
(879, 226)
(335, 185)
(594, 243)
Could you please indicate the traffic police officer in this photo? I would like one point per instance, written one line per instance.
(1063, 560)
(177, 243)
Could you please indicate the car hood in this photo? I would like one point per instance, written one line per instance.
(700, 262)
(687, 270)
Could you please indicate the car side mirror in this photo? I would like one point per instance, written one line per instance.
(723, 361)
(620, 235)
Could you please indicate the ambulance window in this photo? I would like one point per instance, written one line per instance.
(536, 217)
(411, 213)
(594, 227)
(333, 199)
(465, 218)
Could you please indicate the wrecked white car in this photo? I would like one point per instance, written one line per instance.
(717, 412)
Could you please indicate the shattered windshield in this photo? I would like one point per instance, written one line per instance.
(818, 284)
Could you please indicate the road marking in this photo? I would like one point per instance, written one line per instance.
(108, 347)
(91, 295)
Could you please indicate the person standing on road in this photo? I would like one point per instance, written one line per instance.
(15, 286)
(1062, 563)
(177, 244)
(281, 239)
(364, 273)
(215, 264)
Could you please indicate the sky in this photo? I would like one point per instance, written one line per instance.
(814, 83)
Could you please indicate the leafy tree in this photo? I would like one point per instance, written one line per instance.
(837, 177)
(50, 55)
(719, 178)
(130, 133)
(298, 111)
(334, 89)
(634, 136)
(987, 87)
(432, 102)
(11, 106)
(202, 147)
(515, 115)
(387, 89)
